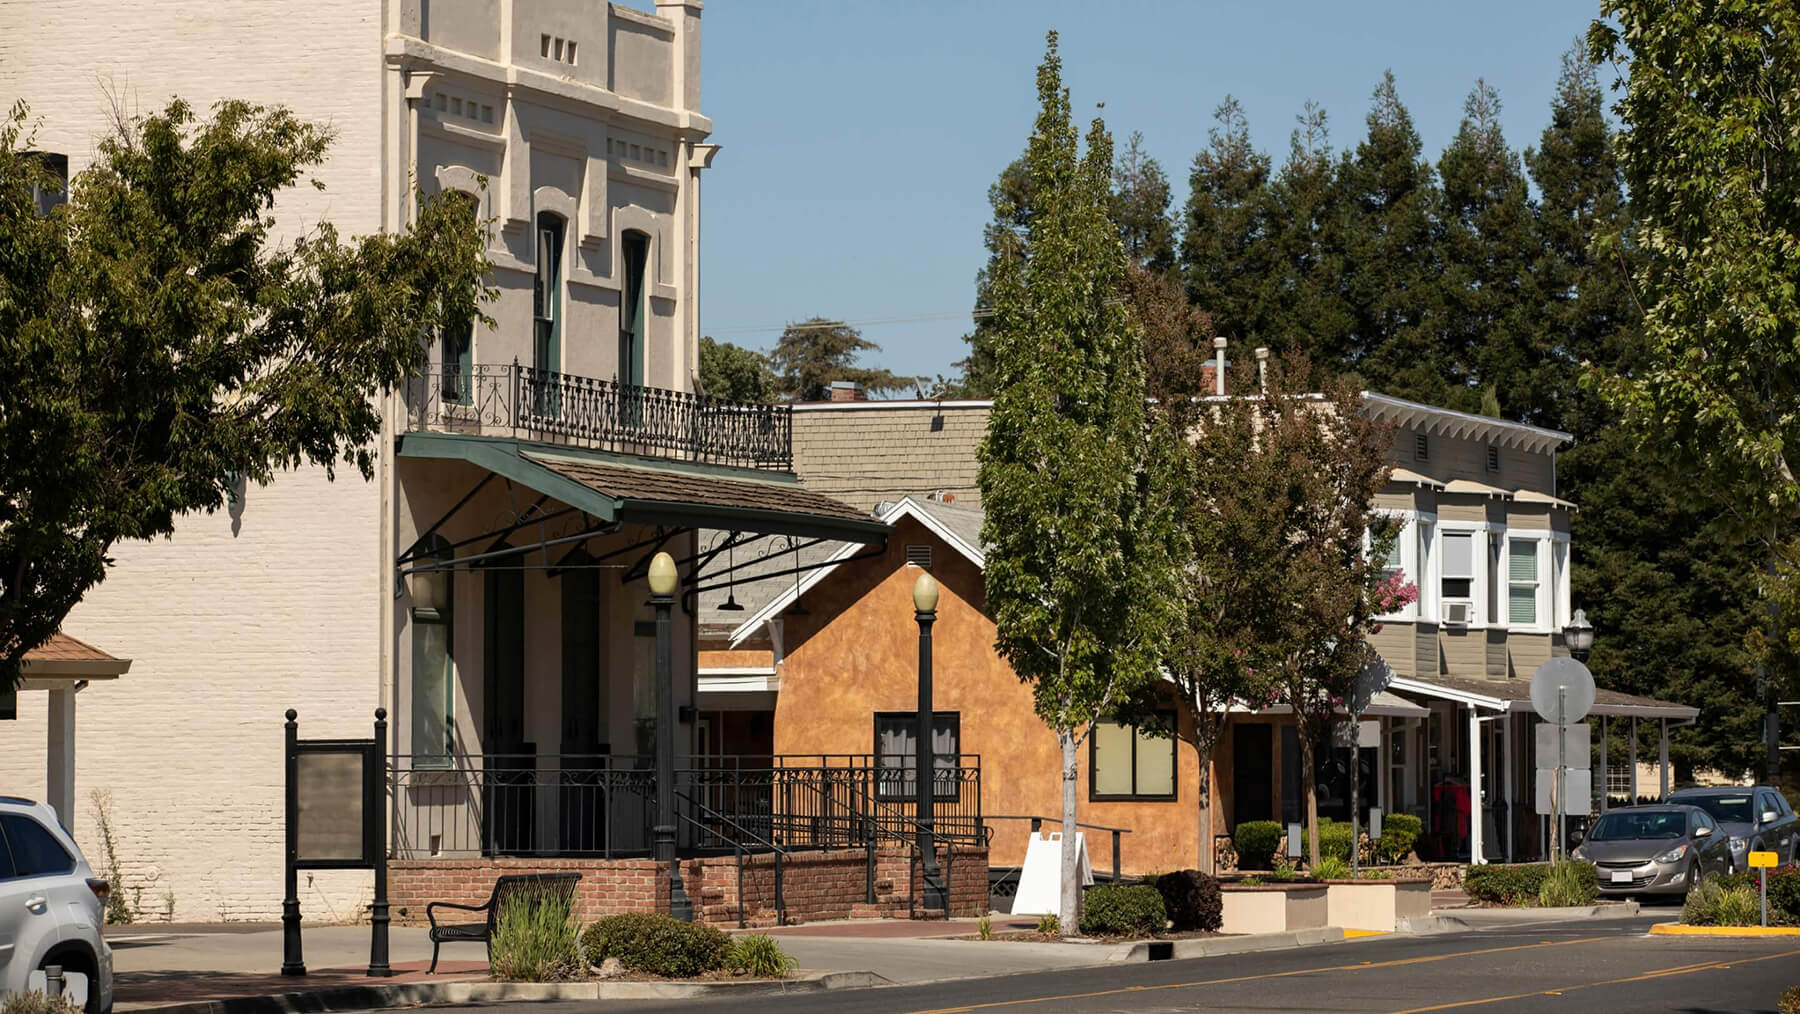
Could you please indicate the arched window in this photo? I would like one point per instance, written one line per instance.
(433, 668)
(457, 342)
(634, 248)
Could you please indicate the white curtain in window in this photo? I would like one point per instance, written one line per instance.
(1112, 759)
(1155, 765)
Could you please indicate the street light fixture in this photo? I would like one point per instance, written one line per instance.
(663, 579)
(1578, 636)
(925, 602)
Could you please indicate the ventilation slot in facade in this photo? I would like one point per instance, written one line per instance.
(1493, 458)
(552, 47)
(1421, 447)
(919, 556)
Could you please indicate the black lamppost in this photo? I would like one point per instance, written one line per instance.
(925, 600)
(1578, 635)
(662, 579)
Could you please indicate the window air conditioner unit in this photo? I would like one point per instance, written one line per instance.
(1456, 614)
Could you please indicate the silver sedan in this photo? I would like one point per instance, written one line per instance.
(1654, 849)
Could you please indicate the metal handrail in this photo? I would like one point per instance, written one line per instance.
(1037, 824)
(737, 848)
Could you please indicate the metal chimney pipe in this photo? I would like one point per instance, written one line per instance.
(1219, 367)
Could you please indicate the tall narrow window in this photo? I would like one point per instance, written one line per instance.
(56, 192)
(546, 312)
(1522, 582)
(456, 345)
(1458, 563)
(634, 247)
(1496, 583)
(433, 672)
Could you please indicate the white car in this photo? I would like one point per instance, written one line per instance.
(52, 907)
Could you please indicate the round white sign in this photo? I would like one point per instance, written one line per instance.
(1575, 683)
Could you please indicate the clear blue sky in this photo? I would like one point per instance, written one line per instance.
(860, 137)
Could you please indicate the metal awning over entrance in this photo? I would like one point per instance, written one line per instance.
(1514, 695)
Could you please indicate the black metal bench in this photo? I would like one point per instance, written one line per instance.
(483, 932)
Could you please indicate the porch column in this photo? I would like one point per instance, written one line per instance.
(1633, 758)
(59, 758)
(1511, 762)
(1605, 770)
(1663, 760)
(1475, 807)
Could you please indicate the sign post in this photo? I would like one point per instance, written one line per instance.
(1761, 862)
(1562, 691)
(334, 822)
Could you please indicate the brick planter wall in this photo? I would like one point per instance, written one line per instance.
(815, 885)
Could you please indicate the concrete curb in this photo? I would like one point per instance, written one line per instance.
(1675, 929)
(1208, 947)
(360, 998)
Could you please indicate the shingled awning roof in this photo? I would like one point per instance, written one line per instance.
(1515, 695)
(66, 657)
(643, 491)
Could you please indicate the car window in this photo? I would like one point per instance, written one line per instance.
(1732, 808)
(1623, 825)
(35, 851)
(6, 863)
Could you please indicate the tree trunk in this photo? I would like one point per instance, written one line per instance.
(1207, 859)
(1309, 791)
(1069, 911)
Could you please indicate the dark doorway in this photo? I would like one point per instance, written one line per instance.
(509, 762)
(1252, 784)
(581, 819)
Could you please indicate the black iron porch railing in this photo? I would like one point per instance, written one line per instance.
(603, 806)
(522, 401)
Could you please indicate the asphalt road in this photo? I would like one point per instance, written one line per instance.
(1581, 967)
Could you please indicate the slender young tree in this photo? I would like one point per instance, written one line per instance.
(1223, 245)
(155, 343)
(1077, 510)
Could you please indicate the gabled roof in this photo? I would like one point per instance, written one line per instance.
(1448, 422)
(959, 527)
(64, 656)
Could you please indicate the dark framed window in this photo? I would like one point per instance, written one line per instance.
(456, 345)
(546, 297)
(897, 754)
(1132, 762)
(433, 668)
(634, 248)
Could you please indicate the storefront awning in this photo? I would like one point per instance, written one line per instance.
(1514, 695)
(1382, 705)
(644, 491)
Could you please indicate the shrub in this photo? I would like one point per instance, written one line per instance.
(1739, 906)
(1256, 842)
(1399, 833)
(1251, 881)
(1191, 899)
(1332, 868)
(1377, 874)
(1702, 905)
(1334, 841)
(1790, 1001)
(651, 943)
(1495, 884)
(1049, 925)
(758, 954)
(1129, 910)
(535, 938)
(1568, 884)
(984, 926)
(37, 1003)
(1283, 874)
(1784, 892)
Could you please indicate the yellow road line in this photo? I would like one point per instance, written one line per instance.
(1661, 973)
(1359, 966)
(1675, 929)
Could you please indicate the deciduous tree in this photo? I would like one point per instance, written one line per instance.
(735, 373)
(1077, 510)
(155, 342)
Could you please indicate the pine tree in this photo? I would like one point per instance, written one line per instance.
(1305, 250)
(1223, 253)
(1391, 246)
(813, 353)
(1140, 208)
(1490, 325)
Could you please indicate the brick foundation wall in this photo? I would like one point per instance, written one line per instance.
(815, 885)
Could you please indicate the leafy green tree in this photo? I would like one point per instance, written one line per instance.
(1078, 515)
(1005, 237)
(1306, 250)
(1711, 153)
(1140, 208)
(735, 373)
(1283, 595)
(1391, 245)
(1223, 244)
(154, 343)
(813, 353)
(1490, 323)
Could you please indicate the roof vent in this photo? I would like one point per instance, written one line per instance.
(919, 556)
(1493, 458)
(1421, 447)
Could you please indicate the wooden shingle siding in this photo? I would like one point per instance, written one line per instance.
(865, 453)
(1425, 649)
(1453, 458)
(1496, 655)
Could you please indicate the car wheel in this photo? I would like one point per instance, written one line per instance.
(78, 963)
(1693, 876)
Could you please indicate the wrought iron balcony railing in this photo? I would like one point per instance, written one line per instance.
(563, 408)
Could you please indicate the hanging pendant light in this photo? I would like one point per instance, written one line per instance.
(731, 603)
(797, 609)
